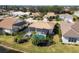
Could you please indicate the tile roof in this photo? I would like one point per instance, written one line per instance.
(65, 27)
(36, 14)
(71, 33)
(42, 25)
(7, 22)
(76, 26)
(70, 30)
(51, 14)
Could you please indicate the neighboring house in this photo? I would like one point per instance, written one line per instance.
(3, 10)
(45, 20)
(2, 17)
(35, 14)
(42, 27)
(10, 25)
(66, 17)
(67, 9)
(27, 13)
(30, 20)
(70, 33)
(19, 13)
(50, 14)
(76, 13)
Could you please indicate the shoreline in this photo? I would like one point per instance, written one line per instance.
(11, 48)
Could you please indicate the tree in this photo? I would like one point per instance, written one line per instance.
(19, 39)
(50, 8)
(51, 18)
(57, 29)
(75, 18)
(57, 18)
(23, 17)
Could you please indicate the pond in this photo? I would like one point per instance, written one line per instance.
(5, 50)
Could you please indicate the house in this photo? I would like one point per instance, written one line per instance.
(67, 9)
(19, 13)
(70, 32)
(66, 17)
(30, 20)
(50, 14)
(10, 25)
(27, 13)
(16, 13)
(35, 14)
(42, 27)
(2, 17)
(45, 20)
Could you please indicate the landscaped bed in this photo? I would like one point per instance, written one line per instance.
(29, 47)
(40, 39)
(19, 39)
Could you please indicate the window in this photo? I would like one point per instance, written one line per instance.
(72, 39)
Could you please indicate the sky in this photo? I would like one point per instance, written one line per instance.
(39, 2)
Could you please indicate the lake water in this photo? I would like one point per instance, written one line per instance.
(5, 50)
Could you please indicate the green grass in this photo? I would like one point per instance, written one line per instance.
(29, 47)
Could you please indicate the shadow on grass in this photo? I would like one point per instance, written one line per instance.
(45, 44)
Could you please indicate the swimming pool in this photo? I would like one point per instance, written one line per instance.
(39, 36)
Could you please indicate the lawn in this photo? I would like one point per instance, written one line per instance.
(29, 47)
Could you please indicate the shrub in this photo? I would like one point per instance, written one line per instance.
(38, 18)
(23, 17)
(57, 18)
(75, 18)
(41, 42)
(33, 32)
(20, 39)
(51, 18)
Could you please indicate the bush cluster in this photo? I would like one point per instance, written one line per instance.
(42, 42)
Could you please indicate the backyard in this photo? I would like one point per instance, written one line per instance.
(29, 47)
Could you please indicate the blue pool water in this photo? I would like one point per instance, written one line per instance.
(39, 36)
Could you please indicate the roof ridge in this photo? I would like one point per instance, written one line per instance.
(72, 30)
(72, 27)
(75, 31)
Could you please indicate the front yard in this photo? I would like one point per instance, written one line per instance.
(29, 47)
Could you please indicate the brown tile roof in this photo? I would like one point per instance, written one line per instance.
(71, 33)
(7, 22)
(51, 14)
(43, 25)
(36, 14)
(65, 27)
(76, 26)
(70, 30)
